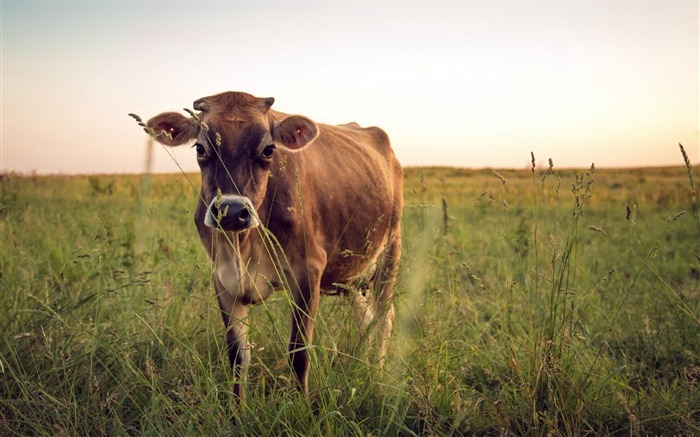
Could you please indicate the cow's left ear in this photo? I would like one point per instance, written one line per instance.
(295, 132)
(173, 129)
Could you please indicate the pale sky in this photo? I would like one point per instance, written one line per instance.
(458, 83)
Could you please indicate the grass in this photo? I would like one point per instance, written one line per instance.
(536, 302)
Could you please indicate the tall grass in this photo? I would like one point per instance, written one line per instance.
(538, 302)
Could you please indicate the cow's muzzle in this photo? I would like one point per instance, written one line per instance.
(231, 213)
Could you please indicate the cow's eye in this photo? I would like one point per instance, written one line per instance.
(268, 151)
(201, 151)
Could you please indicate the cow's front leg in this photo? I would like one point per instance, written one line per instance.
(234, 314)
(303, 318)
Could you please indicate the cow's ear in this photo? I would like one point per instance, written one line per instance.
(295, 132)
(173, 129)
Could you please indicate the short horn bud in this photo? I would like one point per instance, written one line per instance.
(201, 105)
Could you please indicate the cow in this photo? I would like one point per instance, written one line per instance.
(287, 203)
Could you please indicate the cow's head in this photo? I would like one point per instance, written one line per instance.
(236, 140)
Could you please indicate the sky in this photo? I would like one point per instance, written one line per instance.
(454, 83)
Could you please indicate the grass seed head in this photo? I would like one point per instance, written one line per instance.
(597, 229)
(192, 113)
(500, 177)
(686, 160)
(675, 217)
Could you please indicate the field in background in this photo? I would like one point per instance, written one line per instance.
(529, 303)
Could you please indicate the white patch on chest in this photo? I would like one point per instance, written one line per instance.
(254, 280)
(229, 277)
(226, 267)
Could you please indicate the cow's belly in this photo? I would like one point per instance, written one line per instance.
(353, 269)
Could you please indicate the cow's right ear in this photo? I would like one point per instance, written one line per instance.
(173, 129)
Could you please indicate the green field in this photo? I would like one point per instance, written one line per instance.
(530, 302)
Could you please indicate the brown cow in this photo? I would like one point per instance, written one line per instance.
(272, 216)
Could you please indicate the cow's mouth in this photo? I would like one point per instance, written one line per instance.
(231, 213)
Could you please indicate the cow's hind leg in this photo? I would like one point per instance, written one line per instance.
(362, 308)
(375, 315)
(383, 302)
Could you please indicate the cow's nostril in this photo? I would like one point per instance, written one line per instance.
(244, 216)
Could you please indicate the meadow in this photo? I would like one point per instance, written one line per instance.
(540, 301)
